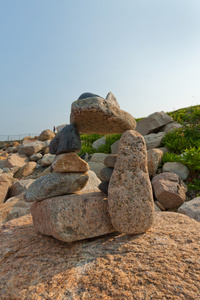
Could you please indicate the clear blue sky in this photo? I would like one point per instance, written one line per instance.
(51, 51)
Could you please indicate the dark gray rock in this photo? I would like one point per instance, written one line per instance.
(106, 173)
(67, 140)
(104, 187)
(87, 95)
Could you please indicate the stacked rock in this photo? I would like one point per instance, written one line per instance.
(129, 207)
(106, 172)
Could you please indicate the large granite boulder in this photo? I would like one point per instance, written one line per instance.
(55, 184)
(73, 217)
(153, 123)
(163, 263)
(169, 190)
(130, 195)
(67, 140)
(97, 115)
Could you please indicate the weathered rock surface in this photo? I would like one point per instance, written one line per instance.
(154, 158)
(19, 187)
(110, 160)
(55, 184)
(26, 170)
(96, 115)
(154, 140)
(177, 168)
(31, 148)
(112, 99)
(162, 263)
(5, 184)
(46, 135)
(130, 195)
(69, 162)
(106, 173)
(15, 160)
(67, 140)
(153, 123)
(14, 208)
(73, 217)
(169, 189)
(47, 159)
(191, 209)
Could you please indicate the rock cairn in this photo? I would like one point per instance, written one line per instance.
(62, 210)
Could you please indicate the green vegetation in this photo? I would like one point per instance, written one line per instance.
(184, 143)
(88, 139)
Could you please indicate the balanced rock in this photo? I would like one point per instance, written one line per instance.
(73, 217)
(69, 163)
(163, 263)
(46, 135)
(16, 160)
(153, 123)
(87, 95)
(169, 190)
(96, 115)
(31, 148)
(177, 168)
(67, 140)
(191, 209)
(130, 195)
(55, 184)
(112, 99)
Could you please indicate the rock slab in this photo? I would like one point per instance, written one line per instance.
(130, 195)
(163, 263)
(55, 184)
(97, 115)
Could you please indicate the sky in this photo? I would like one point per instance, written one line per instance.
(51, 51)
